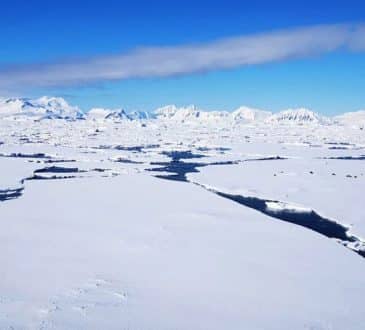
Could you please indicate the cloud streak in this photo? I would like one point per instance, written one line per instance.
(225, 53)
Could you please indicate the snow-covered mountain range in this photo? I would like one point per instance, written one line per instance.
(57, 108)
(42, 108)
(98, 114)
(194, 114)
(300, 115)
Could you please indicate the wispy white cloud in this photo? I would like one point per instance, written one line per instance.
(185, 59)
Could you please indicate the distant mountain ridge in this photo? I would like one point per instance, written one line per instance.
(297, 116)
(42, 108)
(117, 115)
(57, 108)
(192, 113)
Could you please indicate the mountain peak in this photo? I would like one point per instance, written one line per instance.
(298, 115)
(247, 114)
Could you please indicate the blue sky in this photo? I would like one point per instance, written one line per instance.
(42, 32)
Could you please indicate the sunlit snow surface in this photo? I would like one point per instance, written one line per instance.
(137, 225)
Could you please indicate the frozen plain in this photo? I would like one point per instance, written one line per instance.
(99, 232)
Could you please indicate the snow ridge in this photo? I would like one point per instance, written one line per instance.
(354, 119)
